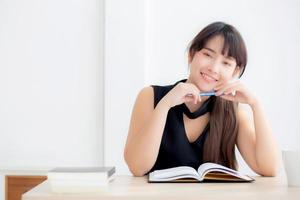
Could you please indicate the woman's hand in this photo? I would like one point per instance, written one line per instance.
(181, 93)
(235, 91)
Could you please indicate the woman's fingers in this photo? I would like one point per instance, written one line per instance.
(235, 91)
(227, 89)
(192, 97)
(193, 92)
(221, 84)
(196, 92)
(199, 98)
(230, 91)
(188, 98)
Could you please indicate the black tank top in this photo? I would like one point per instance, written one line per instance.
(175, 149)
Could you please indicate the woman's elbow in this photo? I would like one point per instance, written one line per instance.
(269, 172)
(272, 172)
(134, 168)
(136, 172)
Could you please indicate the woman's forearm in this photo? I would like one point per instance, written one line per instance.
(141, 152)
(267, 155)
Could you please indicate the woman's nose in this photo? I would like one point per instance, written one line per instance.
(214, 67)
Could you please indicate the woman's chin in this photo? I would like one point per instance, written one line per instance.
(203, 86)
(206, 89)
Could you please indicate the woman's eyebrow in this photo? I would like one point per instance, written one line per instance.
(213, 51)
(209, 49)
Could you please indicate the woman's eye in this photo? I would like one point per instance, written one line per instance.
(206, 54)
(227, 63)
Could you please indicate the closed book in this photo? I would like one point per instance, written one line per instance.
(207, 172)
(80, 180)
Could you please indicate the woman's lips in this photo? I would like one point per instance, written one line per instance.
(208, 78)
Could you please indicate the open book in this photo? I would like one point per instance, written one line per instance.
(206, 172)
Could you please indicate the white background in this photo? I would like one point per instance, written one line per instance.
(51, 83)
(70, 70)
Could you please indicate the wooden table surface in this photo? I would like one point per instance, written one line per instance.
(128, 187)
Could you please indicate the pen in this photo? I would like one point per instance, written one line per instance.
(207, 93)
(212, 93)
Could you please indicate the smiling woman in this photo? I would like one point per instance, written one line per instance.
(175, 126)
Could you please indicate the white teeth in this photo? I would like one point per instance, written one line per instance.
(208, 77)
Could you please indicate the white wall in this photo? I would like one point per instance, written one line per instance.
(271, 31)
(124, 73)
(51, 83)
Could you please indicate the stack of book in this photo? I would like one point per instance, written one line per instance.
(80, 180)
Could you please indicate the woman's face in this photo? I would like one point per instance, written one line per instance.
(209, 67)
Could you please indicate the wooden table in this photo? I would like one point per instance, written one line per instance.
(128, 187)
(16, 181)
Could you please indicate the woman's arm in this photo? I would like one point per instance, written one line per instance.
(147, 125)
(256, 142)
(145, 132)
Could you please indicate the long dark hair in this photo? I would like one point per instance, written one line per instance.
(219, 146)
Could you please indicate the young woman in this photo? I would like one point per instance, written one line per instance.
(175, 126)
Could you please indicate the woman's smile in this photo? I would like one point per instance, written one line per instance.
(208, 78)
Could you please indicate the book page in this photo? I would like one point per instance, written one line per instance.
(175, 172)
(206, 166)
(213, 167)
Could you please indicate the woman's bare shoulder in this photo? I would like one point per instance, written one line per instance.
(142, 110)
(144, 101)
(145, 95)
(146, 91)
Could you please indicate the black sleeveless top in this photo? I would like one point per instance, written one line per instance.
(175, 149)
